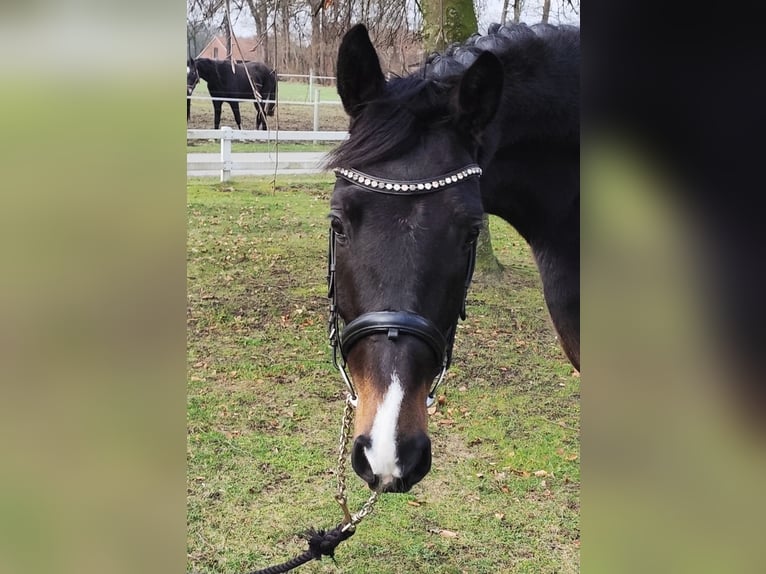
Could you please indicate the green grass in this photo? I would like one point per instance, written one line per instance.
(299, 92)
(291, 91)
(264, 407)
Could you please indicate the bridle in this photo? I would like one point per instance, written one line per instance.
(394, 323)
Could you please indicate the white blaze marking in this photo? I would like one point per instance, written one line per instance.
(382, 454)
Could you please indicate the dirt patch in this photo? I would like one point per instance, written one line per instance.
(289, 118)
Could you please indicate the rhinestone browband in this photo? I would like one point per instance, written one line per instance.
(407, 187)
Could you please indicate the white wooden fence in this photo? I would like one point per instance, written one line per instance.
(257, 163)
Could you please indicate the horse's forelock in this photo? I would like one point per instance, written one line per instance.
(392, 124)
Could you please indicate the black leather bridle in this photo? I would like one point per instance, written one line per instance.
(394, 323)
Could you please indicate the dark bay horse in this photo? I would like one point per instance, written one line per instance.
(223, 82)
(192, 79)
(492, 125)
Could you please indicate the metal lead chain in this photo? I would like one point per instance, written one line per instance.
(367, 507)
(349, 521)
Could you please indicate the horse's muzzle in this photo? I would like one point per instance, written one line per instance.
(413, 457)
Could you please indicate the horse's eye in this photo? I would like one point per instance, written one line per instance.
(337, 227)
(473, 234)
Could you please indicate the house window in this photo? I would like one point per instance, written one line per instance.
(215, 53)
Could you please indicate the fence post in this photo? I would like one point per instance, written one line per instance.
(226, 134)
(316, 111)
(311, 82)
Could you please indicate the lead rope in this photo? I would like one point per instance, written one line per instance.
(322, 543)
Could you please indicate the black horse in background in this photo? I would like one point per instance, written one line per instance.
(192, 79)
(223, 82)
(490, 126)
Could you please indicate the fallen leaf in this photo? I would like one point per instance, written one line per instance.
(413, 503)
(431, 409)
(541, 473)
(448, 534)
(499, 515)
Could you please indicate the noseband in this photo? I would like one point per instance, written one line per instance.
(394, 323)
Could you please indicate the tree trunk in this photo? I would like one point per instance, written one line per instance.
(517, 5)
(546, 10)
(261, 19)
(485, 255)
(447, 21)
(285, 15)
(316, 39)
(444, 22)
(504, 13)
(227, 32)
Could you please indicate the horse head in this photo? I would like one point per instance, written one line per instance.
(405, 214)
(192, 76)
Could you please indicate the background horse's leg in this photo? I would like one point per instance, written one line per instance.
(260, 121)
(237, 117)
(217, 111)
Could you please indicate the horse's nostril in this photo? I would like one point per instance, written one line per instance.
(415, 457)
(359, 460)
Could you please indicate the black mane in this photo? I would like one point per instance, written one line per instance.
(541, 95)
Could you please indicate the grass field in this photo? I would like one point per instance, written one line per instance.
(264, 407)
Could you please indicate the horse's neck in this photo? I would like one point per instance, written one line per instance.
(533, 187)
(539, 195)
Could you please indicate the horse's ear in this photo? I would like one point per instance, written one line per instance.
(360, 78)
(479, 93)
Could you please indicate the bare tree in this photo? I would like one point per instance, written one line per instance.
(307, 33)
(546, 10)
(259, 10)
(504, 13)
(518, 5)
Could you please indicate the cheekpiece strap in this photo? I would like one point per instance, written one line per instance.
(407, 187)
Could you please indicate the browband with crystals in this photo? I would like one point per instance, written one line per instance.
(407, 187)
